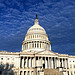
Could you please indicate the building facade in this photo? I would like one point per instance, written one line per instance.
(36, 57)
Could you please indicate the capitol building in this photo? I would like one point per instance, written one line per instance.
(36, 57)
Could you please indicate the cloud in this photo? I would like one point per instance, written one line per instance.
(56, 16)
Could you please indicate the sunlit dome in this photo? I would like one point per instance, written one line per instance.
(36, 38)
(36, 28)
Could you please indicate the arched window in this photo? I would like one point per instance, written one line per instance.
(40, 44)
(37, 44)
(33, 45)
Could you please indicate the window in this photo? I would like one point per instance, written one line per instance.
(33, 45)
(1, 58)
(27, 45)
(70, 66)
(37, 44)
(33, 36)
(40, 45)
(36, 58)
(7, 58)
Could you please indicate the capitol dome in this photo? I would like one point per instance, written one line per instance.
(36, 28)
(36, 38)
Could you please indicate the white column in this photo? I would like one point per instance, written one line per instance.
(26, 62)
(22, 72)
(65, 64)
(51, 62)
(41, 44)
(45, 62)
(23, 62)
(26, 72)
(41, 61)
(44, 45)
(30, 62)
(34, 62)
(55, 62)
(69, 72)
(58, 62)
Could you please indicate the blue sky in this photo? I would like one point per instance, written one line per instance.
(57, 17)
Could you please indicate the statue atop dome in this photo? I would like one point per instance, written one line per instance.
(36, 16)
(36, 21)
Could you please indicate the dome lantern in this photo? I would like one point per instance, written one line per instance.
(36, 21)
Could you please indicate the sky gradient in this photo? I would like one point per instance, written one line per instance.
(57, 17)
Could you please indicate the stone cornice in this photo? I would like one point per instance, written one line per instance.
(9, 53)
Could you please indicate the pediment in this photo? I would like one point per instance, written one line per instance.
(46, 52)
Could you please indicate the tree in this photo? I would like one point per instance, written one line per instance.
(6, 69)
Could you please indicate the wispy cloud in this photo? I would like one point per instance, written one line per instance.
(56, 16)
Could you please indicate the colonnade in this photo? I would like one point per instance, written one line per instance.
(43, 62)
(35, 36)
(28, 64)
(36, 44)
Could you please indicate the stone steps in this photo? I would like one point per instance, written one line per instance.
(52, 72)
